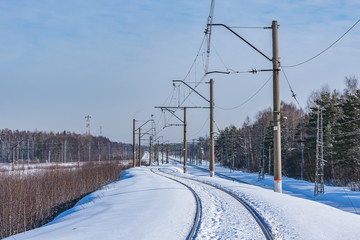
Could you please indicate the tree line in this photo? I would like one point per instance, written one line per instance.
(59, 147)
(250, 146)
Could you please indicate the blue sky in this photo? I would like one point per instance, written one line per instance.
(114, 60)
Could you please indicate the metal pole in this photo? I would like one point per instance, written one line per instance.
(302, 158)
(157, 153)
(89, 148)
(185, 144)
(150, 151)
(162, 153)
(140, 147)
(212, 152)
(276, 98)
(167, 153)
(134, 144)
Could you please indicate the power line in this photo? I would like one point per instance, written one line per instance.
(197, 55)
(292, 92)
(192, 135)
(247, 100)
(298, 64)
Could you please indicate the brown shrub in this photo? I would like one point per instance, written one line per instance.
(28, 201)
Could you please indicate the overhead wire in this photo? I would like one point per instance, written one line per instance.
(247, 100)
(192, 135)
(292, 92)
(221, 60)
(207, 36)
(197, 55)
(337, 40)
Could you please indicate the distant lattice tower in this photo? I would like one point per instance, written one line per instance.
(88, 124)
(320, 162)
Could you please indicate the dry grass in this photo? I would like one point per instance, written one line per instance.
(28, 201)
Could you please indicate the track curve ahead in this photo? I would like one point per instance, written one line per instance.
(197, 219)
(259, 220)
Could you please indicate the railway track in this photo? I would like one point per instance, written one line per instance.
(259, 220)
(216, 173)
(196, 224)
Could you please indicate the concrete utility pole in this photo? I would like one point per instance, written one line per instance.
(276, 98)
(139, 147)
(185, 143)
(134, 145)
(212, 151)
(134, 130)
(211, 101)
(184, 124)
(276, 109)
(150, 151)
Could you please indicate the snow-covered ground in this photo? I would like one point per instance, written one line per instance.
(143, 205)
(338, 197)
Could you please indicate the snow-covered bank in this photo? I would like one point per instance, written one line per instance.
(338, 197)
(144, 205)
(289, 217)
(140, 206)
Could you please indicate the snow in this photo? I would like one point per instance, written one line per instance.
(140, 206)
(143, 205)
(339, 197)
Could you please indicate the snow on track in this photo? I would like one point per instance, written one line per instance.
(144, 205)
(223, 217)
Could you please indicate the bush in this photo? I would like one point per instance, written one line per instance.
(29, 200)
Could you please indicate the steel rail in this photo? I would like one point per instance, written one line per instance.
(221, 175)
(260, 221)
(197, 219)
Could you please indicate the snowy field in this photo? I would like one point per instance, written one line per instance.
(143, 205)
(33, 167)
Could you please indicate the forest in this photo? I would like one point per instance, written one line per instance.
(59, 147)
(333, 114)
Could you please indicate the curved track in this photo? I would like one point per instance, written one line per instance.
(196, 224)
(216, 173)
(264, 227)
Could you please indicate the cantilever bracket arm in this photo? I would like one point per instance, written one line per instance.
(170, 111)
(144, 124)
(192, 89)
(147, 132)
(223, 25)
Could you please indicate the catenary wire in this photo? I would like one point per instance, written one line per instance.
(247, 100)
(292, 92)
(337, 40)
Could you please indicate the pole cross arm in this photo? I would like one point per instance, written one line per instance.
(223, 25)
(176, 125)
(192, 89)
(159, 138)
(172, 112)
(145, 123)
